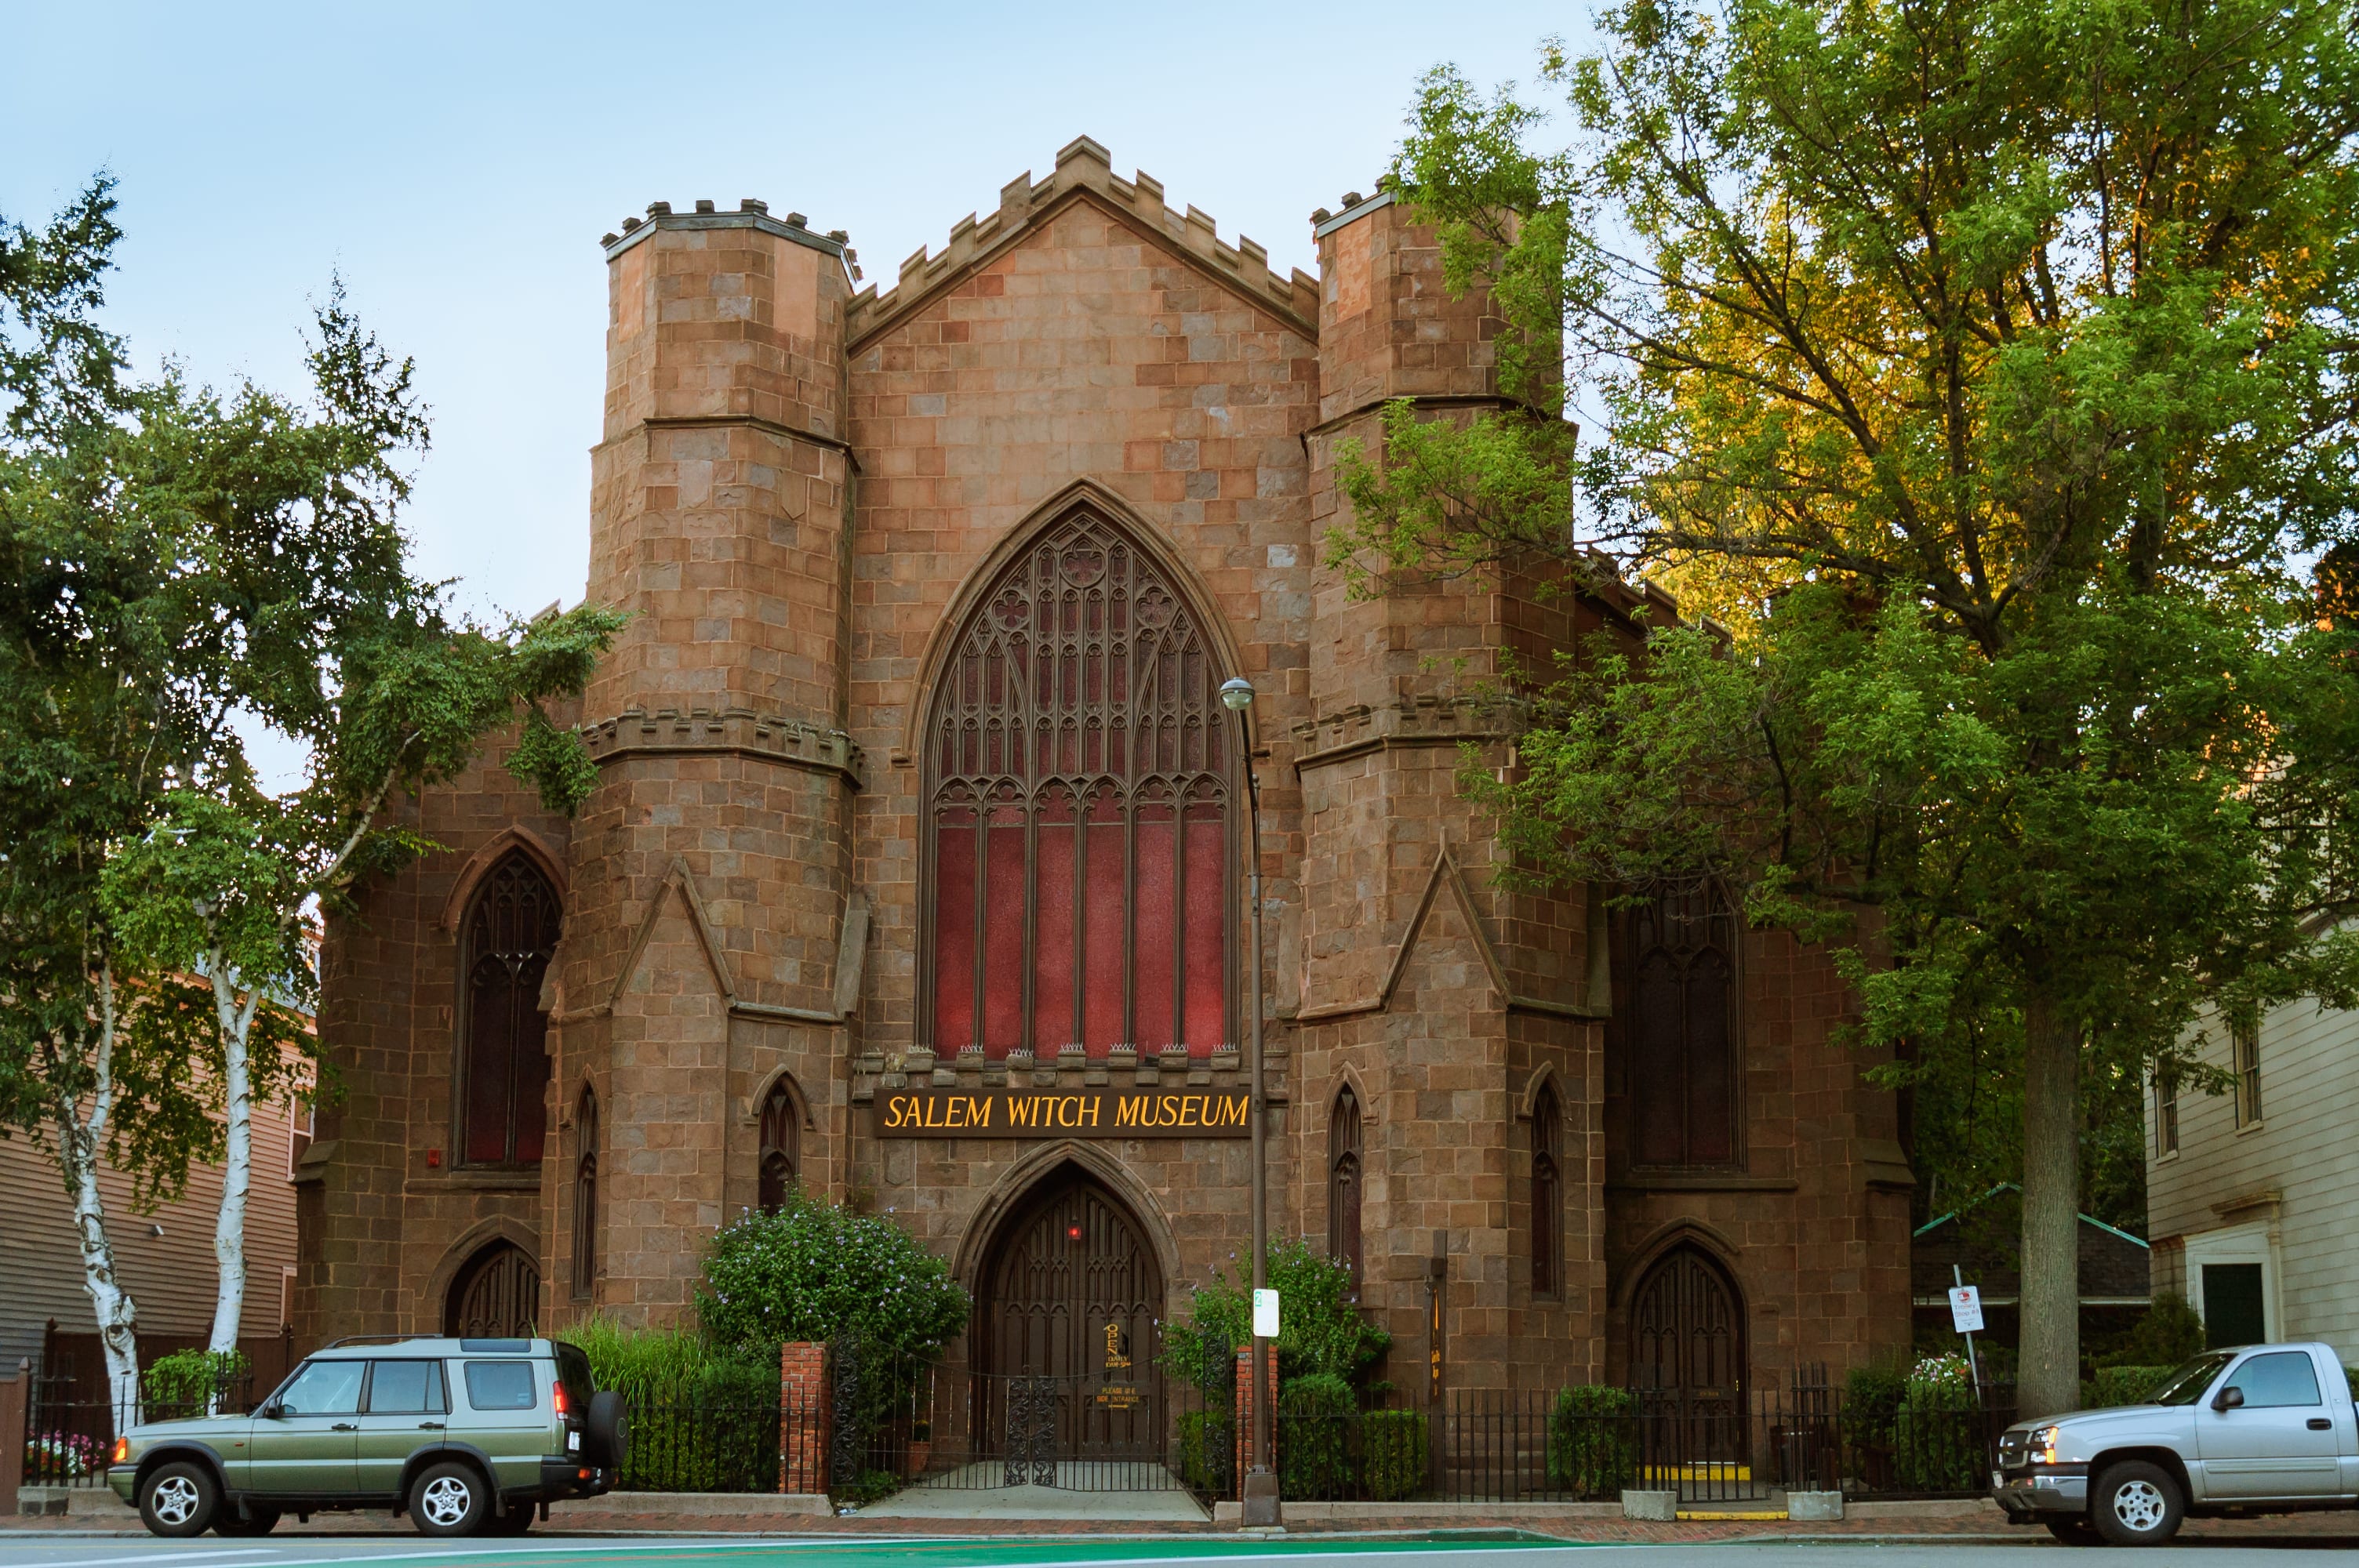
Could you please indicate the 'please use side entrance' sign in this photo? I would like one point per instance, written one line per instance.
(1063, 1113)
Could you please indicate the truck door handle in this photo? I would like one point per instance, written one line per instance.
(345, 1426)
(429, 1426)
(2319, 1423)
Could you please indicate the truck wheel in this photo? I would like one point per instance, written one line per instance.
(2137, 1504)
(451, 1499)
(179, 1499)
(2073, 1530)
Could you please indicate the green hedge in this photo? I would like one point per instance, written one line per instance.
(1314, 1438)
(1393, 1454)
(1206, 1456)
(2121, 1386)
(704, 1419)
(1593, 1449)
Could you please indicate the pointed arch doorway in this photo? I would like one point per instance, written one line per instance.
(1067, 1332)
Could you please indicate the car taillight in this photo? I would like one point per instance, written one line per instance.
(122, 1450)
(561, 1399)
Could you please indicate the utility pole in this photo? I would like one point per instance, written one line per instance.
(1259, 1493)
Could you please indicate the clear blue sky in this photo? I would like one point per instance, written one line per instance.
(457, 164)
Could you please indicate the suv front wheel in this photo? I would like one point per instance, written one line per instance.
(179, 1499)
(2137, 1504)
(449, 1498)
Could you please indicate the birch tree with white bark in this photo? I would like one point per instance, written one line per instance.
(183, 570)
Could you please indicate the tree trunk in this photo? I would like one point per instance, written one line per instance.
(81, 1143)
(2048, 1380)
(237, 1155)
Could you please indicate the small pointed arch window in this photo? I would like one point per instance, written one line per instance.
(585, 1195)
(1681, 1037)
(780, 1146)
(1547, 1193)
(510, 935)
(1078, 857)
(1344, 1176)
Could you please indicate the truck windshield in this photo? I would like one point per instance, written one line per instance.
(2186, 1386)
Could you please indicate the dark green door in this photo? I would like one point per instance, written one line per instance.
(2232, 1305)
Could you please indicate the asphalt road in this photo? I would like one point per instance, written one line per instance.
(298, 1551)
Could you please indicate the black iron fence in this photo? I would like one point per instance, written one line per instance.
(899, 1424)
(1591, 1444)
(722, 1432)
(69, 1436)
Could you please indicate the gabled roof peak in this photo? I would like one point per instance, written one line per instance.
(1084, 165)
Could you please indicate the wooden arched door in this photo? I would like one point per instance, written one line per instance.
(1071, 1292)
(496, 1295)
(1687, 1329)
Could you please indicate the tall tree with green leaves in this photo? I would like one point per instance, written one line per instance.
(1983, 368)
(203, 566)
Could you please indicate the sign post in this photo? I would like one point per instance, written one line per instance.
(1966, 1316)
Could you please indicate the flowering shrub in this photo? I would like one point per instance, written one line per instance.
(818, 1270)
(61, 1456)
(1320, 1329)
(1937, 1431)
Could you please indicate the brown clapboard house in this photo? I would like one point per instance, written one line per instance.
(914, 792)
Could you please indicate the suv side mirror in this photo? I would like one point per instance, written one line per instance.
(2229, 1399)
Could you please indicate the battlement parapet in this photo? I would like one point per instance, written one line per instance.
(676, 730)
(1085, 166)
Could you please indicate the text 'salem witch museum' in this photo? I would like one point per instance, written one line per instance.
(915, 867)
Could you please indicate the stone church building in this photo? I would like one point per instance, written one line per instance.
(915, 870)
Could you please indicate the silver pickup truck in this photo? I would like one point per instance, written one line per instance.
(2258, 1429)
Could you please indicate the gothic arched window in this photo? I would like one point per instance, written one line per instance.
(1078, 785)
(1683, 1030)
(779, 1146)
(1548, 1194)
(1344, 1182)
(510, 933)
(585, 1195)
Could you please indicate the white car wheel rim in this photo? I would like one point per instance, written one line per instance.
(174, 1499)
(447, 1500)
(2140, 1506)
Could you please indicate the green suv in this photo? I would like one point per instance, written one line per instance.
(465, 1435)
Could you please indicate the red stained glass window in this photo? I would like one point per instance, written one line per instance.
(1077, 796)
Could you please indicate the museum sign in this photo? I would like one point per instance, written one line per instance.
(1063, 1113)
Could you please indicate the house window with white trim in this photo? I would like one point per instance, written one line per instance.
(2244, 1044)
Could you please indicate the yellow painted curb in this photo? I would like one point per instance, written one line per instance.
(1708, 1517)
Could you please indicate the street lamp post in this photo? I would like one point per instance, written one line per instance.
(1260, 1490)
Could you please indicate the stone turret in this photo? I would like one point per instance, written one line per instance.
(710, 918)
(1444, 997)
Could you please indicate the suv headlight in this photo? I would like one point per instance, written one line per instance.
(2043, 1445)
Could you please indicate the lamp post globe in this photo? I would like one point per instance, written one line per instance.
(1237, 692)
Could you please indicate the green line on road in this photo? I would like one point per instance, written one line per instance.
(989, 1553)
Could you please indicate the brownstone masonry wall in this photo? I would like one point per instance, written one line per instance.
(799, 491)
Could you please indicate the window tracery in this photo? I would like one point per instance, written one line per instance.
(1079, 765)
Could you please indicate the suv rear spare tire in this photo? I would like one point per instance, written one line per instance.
(179, 1499)
(2137, 1504)
(607, 1442)
(451, 1499)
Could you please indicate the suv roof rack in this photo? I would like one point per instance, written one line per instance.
(377, 1339)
